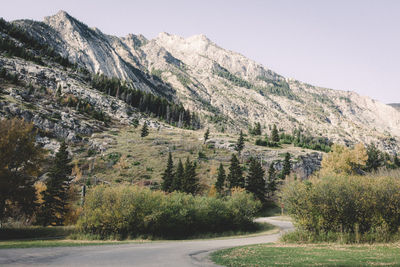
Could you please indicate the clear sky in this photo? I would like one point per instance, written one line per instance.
(347, 45)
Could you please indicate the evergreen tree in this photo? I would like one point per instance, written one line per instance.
(240, 143)
(55, 196)
(274, 134)
(235, 176)
(206, 135)
(375, 158)
(396, 161)
(190, 180)
(145, 131)
(178, 177)
(219, 184)
(286, 166)
(255, 179)
(257, 129)
(168, 175)
(271, 180)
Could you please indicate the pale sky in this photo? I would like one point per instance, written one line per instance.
(346, 45)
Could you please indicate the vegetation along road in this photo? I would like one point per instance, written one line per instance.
(169, 253)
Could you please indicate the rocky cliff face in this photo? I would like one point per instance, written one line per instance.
(227, 89)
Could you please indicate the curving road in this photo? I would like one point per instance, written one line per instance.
(168, 253)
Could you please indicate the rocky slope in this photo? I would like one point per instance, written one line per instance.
(225, 87)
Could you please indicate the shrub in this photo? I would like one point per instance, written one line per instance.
(130, 211)
(365, 207)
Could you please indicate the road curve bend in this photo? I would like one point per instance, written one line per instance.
(165, 253)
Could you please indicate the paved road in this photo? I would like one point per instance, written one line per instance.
(169, 253)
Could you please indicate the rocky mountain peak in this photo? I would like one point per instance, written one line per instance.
(61, 17)
(223, 86)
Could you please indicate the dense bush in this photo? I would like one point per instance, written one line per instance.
(361, 207)
(129, 211)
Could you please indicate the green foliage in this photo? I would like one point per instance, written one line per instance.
(220, 183)
(130, 211)
(271, 183)
(255, 182)
(190, 183)
(178, 177)
(256, 130)
(55, 197)
(168, 175)
(224, 73)
(274, 134)
(240, 143)
(298, 139)
(202, 155)
(277, 87)
(146, 102)
(84, 107)
(375, 158)
(362, 206)
(206, 135)
(235, 176)
(20, 164)
(28, 43)
(114, 157)
(183, 79)
(145, 130)
(287, 166)
(13, 78)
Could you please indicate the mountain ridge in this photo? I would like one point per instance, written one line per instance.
(228, 90)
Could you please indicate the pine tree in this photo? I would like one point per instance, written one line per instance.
(206, 135)
(271, 180)
(375, 158)
(240, 143)
(145, 131)
(257, 129)
(168, 175)
(275, 134)
(235, 176)
(396, 161)
(219, 184)
(55, 196)
(286, 166)
(255, 179)
(178, 177)
(190, 180)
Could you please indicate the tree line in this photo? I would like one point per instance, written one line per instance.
(160, 107)
(184, 178)
(298, 139)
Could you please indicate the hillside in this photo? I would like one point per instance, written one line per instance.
(224, 87)
(92, 89)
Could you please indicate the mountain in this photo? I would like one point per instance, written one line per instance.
(395, 105)
(228, 91)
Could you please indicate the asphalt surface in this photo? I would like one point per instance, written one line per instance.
(166, 253)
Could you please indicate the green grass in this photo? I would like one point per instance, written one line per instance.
(309, 255)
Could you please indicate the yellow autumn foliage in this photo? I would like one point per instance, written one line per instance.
(342, 160)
